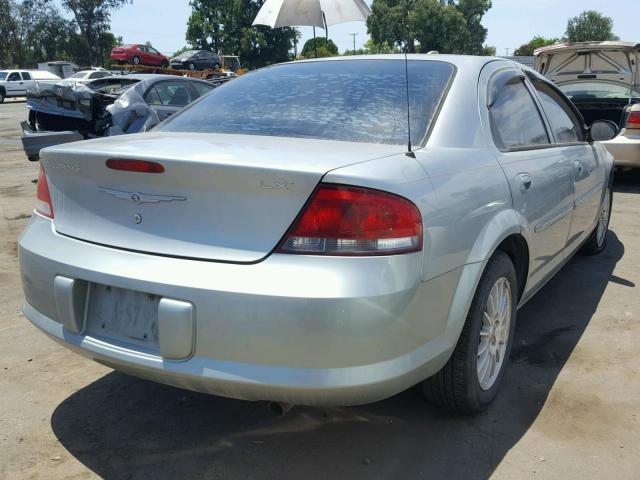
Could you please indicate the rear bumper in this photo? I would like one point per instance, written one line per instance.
(625, 150)
(296, 329)
(33, 141)
(121, 57)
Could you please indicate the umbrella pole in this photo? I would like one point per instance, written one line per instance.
(315, 47)
(326, 29)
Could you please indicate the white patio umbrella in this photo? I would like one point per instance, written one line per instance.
(311, 13)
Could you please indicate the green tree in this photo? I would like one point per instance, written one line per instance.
(92, 18)
(439, 27)
(526, 49)
(590, 26)
(225, 26)
(475, 33)
(373, 48)
(32, 31)
(308, 51)
(448, 26)
(489, 51)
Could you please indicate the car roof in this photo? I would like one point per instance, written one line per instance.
(468, 62)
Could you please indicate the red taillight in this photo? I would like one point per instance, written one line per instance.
(340, 220)
(43, 198)
(141, 166)
(633, 121)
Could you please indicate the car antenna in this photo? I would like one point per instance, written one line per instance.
(409, 152)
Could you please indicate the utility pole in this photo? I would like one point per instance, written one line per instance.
(507, 50)
(354, 41)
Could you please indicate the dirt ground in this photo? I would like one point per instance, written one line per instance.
(570, 406)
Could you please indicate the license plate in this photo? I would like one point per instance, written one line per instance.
(123, 315)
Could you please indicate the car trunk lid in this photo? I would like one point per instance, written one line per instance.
(221, 197)
(611, 61)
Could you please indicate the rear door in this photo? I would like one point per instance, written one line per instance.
(155, 56)
(539, 175)
(205, 60)
(145, 57)
(589, 170)
(27, 81)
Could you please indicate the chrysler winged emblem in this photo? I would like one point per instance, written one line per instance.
(137, 197)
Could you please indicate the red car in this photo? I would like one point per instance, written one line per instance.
(138, 54)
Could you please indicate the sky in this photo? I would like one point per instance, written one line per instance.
(510, 22)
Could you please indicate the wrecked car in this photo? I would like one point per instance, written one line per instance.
(67, 111)
(602, 79)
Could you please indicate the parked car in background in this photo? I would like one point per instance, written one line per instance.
(67, 111)
(60, 68)
(15, 83)
(84, 76)
(196, 60)
(603, 81)
(139, 54)
(280, 240)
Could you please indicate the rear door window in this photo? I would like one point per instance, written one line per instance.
(202, 88)
(174, 94)
(564, 123)
(516, 122)
(26, 76)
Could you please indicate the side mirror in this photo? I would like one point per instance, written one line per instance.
(603, 130)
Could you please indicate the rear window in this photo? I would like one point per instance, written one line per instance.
(353, 100)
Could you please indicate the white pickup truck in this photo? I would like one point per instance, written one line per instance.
(15, 83)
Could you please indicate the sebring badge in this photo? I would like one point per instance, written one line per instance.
(137, 197)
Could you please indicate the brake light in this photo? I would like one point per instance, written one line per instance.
(141, 166)
(633, 121)
(341, 220)
(43, 198)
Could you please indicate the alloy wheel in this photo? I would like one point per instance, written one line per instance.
(603, 220)
(494, 333)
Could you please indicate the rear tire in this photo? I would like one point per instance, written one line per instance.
(470, 380)
(598, 240)
(192, 66)
(136, 60)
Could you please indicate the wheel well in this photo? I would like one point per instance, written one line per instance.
(516, 247)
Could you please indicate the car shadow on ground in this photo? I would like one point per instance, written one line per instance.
(122, 427)
(627, 182)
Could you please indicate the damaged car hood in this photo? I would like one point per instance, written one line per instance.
(611, 61)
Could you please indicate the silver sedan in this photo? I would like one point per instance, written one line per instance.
(324, 232)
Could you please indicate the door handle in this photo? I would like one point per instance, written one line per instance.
(579, 166)
(525, 180)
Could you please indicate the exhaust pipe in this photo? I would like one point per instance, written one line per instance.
(279, 408)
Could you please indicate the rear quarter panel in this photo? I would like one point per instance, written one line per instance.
(455, 180)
